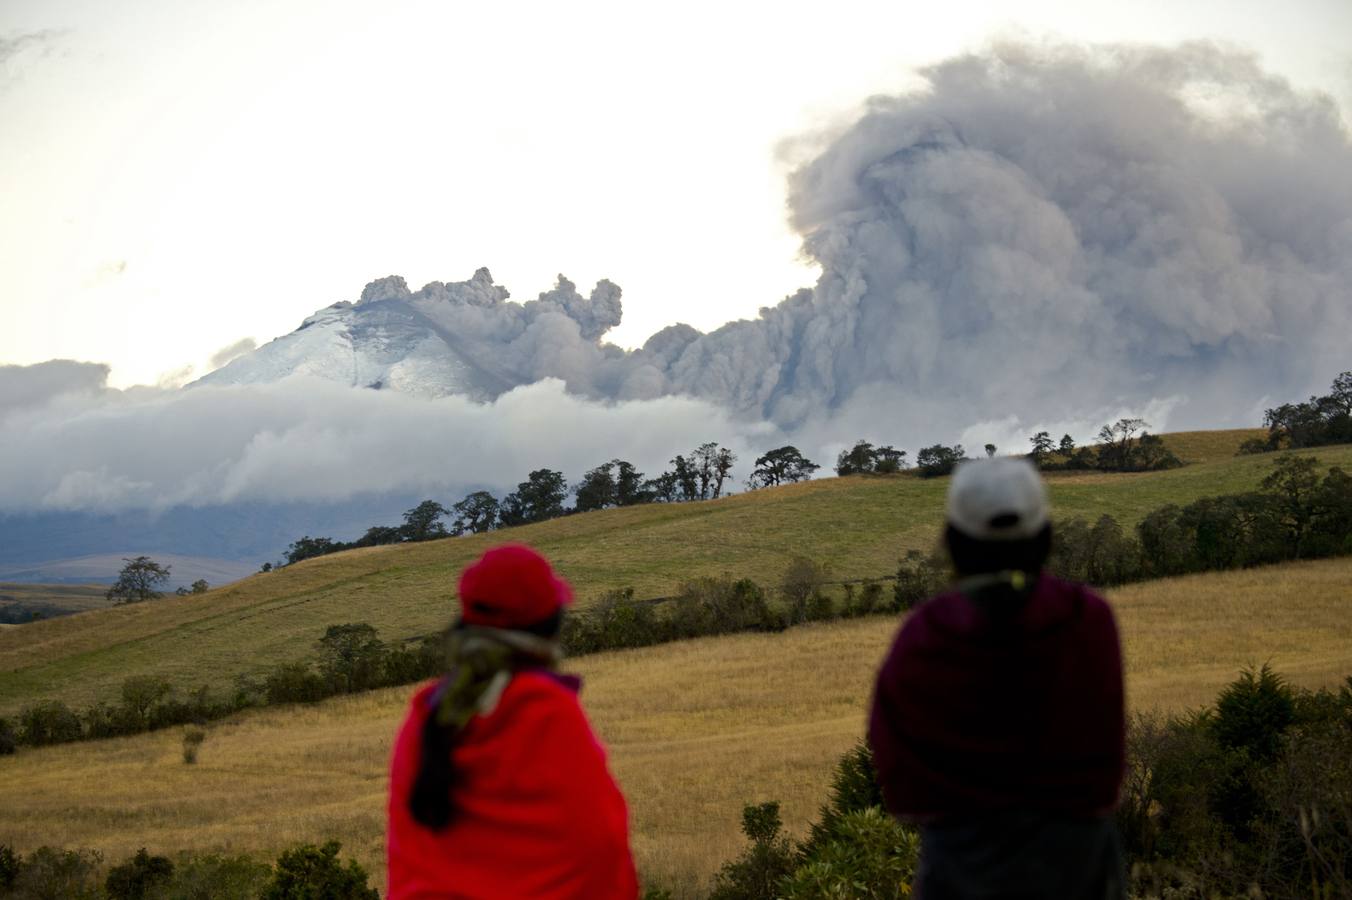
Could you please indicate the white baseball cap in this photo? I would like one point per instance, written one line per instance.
(997, 500)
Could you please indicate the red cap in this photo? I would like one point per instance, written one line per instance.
(510, 587)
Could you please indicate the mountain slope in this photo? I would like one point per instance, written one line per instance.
(858, 526)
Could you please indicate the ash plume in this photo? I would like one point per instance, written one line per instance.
(1043, 237)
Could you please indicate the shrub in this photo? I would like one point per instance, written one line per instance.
(309, 872)
(919, 576)
(52, 874)
(854, 787)
(192, 742)
(1253, 713)
(216, 878)
(757, 873)
(48, 722)
(867, 854)
(294, 683)
(9, 867)
(138, 876)
(8, 739)
(719, 606)
(802, 579)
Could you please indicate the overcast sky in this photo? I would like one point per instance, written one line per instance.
(178, 176)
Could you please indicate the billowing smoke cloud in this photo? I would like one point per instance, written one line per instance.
(1044, 237)
(232, 351)
(1043, 233)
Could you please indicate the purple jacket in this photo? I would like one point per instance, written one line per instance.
(973, 716)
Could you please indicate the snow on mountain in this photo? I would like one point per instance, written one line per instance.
(391, 339)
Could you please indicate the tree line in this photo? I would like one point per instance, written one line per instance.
(302, 872)
(1317, 422)
(702, 474)
(1297, 513)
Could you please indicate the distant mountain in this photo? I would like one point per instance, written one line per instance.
(425, 343)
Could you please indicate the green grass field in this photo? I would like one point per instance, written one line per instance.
(858, 526)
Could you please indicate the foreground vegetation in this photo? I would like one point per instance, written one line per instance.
(1296, 513)
(697, 730)
(860, 525)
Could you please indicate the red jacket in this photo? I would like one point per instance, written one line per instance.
(972, 716)
(536, 811)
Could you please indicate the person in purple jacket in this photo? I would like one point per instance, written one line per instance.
(997, 720)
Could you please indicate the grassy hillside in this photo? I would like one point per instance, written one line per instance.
(859, 526)
(18, 600)
(695, 730)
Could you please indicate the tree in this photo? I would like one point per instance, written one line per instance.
(140, 693)
(380, 535)
(665, 488)
(888, 460)
(138, 581)
(536, 499)
(475, 514)
(423, 522)
(783, 465)
(1042, 445)
(597, 489)
(1067, 445)
(990, 450)
(1116, 440)
(350, 656)
(630, 488)
(1293, 482)
(200, 586)
(711, 464)
(939, 460)
(723, 464)
(687, 478)
(307, 547)
(858, 459)
(266, 567)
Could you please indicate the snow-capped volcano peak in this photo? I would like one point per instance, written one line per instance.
(462, 337)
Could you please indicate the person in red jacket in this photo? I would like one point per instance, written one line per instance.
(997, 718)
(498, 787)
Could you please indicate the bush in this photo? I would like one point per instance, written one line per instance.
(9, 867)
(757, 873)
(52, 874)
(802, 579)
(918, 577)
(138, 876)
(294, 683)
(310, 873)
(192, 742)
(854, 787)
(708, 606)
(1254, 712)
(48, 722)
(8, 739)
(867, 854)
(216, 878)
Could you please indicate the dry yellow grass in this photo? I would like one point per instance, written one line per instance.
(696, 730)
(860, 526)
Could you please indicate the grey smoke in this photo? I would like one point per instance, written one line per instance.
(232, 351)
(1043, 232)
(1043, 237)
